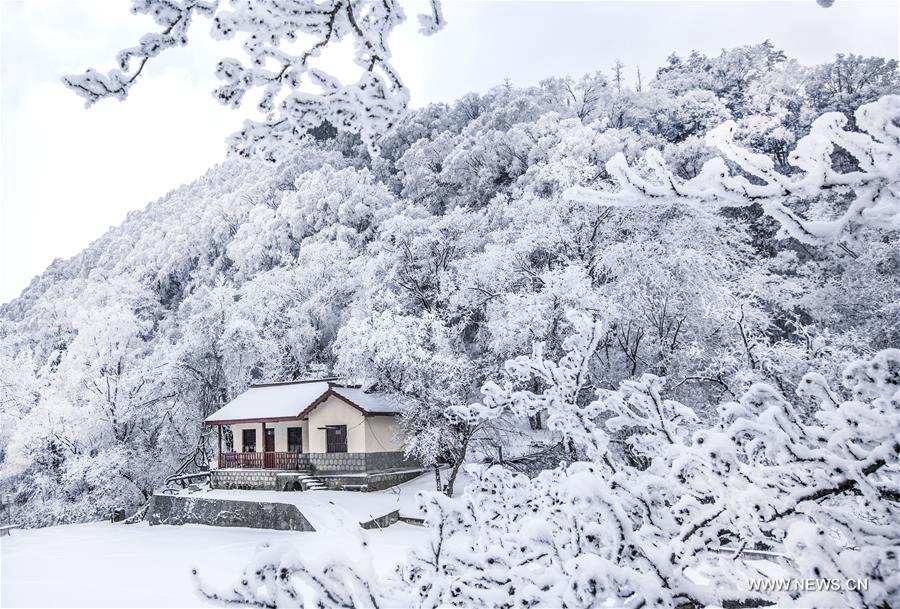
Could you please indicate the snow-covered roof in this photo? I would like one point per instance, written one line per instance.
(296, 399)
(370, 402)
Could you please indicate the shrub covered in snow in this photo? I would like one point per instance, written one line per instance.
(866, 196)
(820, 491)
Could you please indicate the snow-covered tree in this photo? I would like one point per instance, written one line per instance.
(459, 238)
(688, 526)
(867, 196)
(282, 41)
(415, 360)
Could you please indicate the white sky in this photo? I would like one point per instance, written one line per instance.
(68, 173)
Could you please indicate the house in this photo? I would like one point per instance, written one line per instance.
(309, 434)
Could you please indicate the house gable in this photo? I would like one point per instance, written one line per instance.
(342, 394)
(334, 411)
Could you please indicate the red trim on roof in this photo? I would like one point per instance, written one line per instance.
(347, 401)
(264, 420)
(317, 401)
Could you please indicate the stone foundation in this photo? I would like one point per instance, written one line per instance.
(358, 462)
(245, 479)
(389, 461)
(376, 471)
(273, 480)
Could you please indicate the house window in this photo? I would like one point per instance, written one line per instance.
(295, 440)
(336, 438)
(248, 440)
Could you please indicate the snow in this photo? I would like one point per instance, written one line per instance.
(284, 400)
(437, 269)
(114, 565)
(310, 97)
(370, 402)
(338, 510)
(271, 401)
(874, 150)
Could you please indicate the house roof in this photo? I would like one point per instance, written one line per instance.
(372, 403)
(296, 399)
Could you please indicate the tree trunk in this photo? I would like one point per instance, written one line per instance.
(437, 478)
(458, 460)
(448, 490)
(573, 451)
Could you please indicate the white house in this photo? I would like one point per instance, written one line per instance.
(320, 426)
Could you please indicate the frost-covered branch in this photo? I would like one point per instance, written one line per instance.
(174, 16)
(606, 531)
(279, 577)
(295, 96)
(874, 186)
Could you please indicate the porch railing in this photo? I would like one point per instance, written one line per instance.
(266, 460)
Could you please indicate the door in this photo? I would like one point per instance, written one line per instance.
(336, 438)
(270, 440)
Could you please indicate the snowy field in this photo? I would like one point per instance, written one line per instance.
(114, 565)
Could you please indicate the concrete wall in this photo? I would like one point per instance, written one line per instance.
(373, 481)
(238, 437)
(226, 513)
(383, 434)
(281, 434)
(335, 411)
(382, 521)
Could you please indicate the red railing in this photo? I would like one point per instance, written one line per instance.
(267, 460)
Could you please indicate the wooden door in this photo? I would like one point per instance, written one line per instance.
(336, 438)
(270, 440)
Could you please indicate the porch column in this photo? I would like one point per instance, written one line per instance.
(262, 448)
(219, 428)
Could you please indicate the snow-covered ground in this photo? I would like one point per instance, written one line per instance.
(114, 565)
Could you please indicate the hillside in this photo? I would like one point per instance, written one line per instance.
(422, 271)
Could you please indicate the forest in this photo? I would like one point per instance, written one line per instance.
(653, 313)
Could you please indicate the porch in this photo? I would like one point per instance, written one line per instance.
(264, 460)
(318, 463)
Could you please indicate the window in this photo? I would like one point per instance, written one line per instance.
(336, 438)
(295, 440)
(248, 440)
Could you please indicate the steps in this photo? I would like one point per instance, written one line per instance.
(310, 483)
